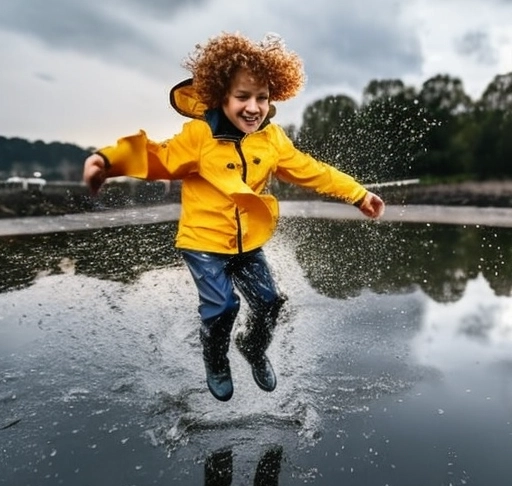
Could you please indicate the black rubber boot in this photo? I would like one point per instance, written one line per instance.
(263, 373)
(253, 341)
(215, 338)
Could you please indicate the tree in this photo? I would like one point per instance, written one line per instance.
(445, 95)
(323, 116)
(325, 125)
(386, 89)
(493, 146)
(377, 142)
(444, 98)
(21, 157)
(392, 127)
(498, 95)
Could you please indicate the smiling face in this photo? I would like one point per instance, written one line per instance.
(247, 102)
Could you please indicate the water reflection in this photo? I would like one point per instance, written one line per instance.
(218, 468)
(475, 329)
(347, 258)
(439, 259)
(120, 254)
(361, 378)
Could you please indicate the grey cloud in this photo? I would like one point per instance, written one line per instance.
(96, 30)
(355, 49)
(61, 23)
(45, 77)
(477, 44)
(163, 7)
(339, 41)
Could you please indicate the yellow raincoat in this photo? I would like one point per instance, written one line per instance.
(224, 174)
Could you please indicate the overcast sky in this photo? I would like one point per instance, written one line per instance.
(90, 71)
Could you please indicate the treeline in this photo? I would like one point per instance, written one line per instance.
(55, 160)
(437, 132)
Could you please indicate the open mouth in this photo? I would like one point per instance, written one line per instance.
(250, 119)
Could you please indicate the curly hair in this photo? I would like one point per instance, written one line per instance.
(214, 65)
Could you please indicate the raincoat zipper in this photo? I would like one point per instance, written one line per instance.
(238, 146)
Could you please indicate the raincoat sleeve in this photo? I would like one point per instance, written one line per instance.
(298, 168)
(139, 157)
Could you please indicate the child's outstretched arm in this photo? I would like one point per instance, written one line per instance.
(95, 172)
(372, 205)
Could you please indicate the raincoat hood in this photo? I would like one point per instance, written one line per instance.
(184, 99)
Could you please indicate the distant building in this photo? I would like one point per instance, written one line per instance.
(24, 183)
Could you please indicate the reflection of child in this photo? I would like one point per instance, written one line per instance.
(224, 157)
(218, 468)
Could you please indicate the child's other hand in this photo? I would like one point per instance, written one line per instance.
(94, 173)
(372, 206)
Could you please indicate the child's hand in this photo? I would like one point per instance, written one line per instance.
(94, 172)
(372, 206)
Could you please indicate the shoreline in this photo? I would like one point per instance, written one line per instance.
(141, 215)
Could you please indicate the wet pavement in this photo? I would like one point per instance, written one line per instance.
(393, 361)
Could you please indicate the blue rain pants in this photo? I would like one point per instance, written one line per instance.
(217, 277)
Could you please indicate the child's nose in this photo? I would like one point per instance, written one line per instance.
(252, 104)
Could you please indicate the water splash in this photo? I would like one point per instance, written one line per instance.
(94, 341)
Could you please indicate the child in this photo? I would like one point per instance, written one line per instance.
(224, 157)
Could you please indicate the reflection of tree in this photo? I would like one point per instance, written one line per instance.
(120, 254)
(342, 258)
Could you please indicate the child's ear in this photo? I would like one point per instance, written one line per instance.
(271, 111)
